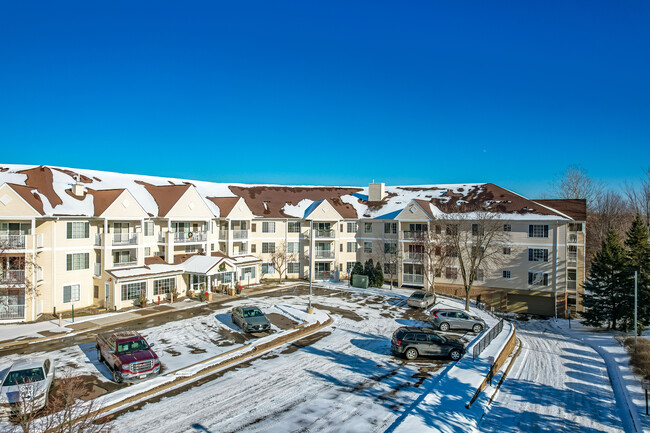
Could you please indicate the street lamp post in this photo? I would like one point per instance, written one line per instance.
(310, 309)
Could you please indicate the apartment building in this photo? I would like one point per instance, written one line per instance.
(86, 238)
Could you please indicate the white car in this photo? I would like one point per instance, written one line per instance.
(28, 383)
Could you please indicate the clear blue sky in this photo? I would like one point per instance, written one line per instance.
(330, 93)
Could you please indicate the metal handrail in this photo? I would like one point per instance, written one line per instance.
(487, 339)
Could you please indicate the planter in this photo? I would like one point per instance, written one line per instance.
(190, 294)
(209, 297)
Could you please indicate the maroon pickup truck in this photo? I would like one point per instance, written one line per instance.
(128, 355)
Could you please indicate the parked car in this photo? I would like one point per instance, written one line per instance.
(445, 320)
(128, 355)
(27, 384)
(250, 319)
(421, 299)
(412, 342)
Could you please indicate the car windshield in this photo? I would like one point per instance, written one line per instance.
(132, 347)
(20, 377)
(417, 295)
(253, 312)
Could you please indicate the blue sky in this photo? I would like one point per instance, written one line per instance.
(330, 93)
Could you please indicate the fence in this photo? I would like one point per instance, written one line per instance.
(487, 339)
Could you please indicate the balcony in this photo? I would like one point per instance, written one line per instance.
(573, 238)
(324, 254)
(412, 236)
(12, 242)
(98, 240)
(125, 238)
(12, 276)
(572, 259)
(130, 263)
(223, 235)
(323, 234)
(12, 312)
(239, 234)
(572, 285)
(413, 257)
(412, 279)
(188, 237)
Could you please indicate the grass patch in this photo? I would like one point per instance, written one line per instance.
(639, 358)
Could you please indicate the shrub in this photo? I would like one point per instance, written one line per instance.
(639, 358)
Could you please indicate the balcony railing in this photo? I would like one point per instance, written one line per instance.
(12, 312)
(187, 237)
(415, 257)
(223, 235)
(324, 233)
(323, 275)
(324, 254)
(125, 264)
(572, 285)
(413, 235)
(98, 269)
(412, 279)
(240, 234)
(125, 238)
(241, 252)
(573, 238)
(98, 240)
(572, 259)
(16, 276)
(12, 242)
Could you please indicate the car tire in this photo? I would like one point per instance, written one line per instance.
(477, 328)
(117, 376)
(100, 358)
(444, 326)
(455, 354)
(411, 353)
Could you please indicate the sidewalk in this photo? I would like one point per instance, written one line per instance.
(14, 334)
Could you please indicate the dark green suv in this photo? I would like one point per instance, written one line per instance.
(412, 342)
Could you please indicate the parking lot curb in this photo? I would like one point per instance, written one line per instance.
(119, 322)
(302, 331)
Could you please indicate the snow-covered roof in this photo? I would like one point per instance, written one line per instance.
(48, 189)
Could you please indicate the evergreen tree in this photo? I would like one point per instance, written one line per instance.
(357, 269)
(604, 296)
(379, 276)
(369, 270)
(637, 259)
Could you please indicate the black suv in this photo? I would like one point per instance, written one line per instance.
(412, 342)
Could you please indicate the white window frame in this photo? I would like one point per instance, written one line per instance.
(268, 226)
(126, 287)
(367, 247)
(72, 287)
(293, 247)
(293, 268)
(77, 230)
(506, 273)
(268, 247)
(367, 227)
(270, 269)
(537, 278)
(352, 227)
(293, 226)
(73, 261)
(538, 254)
(538, 231)
(352, 247)
(163, 286)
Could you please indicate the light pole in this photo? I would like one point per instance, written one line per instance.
(635, 307)
(310, 309)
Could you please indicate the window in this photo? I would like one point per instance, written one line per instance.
(477, 230)
(247, 273)
(164, 286)
(438, 273)
(352, 247)
(367, 227)
(451, 273)
(267, 268)
(294, 227)
(438, 229)
(390, 228)
(133, 290)
(352, 227)
(506, 274)
(190, 248)
(71, 293)
(268, 247)
(95, 292)
(572, 275)
(506, 250)
(480, 275)
(575, 227)
(77, 261)
(452, 230)
(507, 228)
(367, 247)
(451, 251)
(349, 266)
(253, 227)
(253, 248)
(147, 251)
(77, 230)
(390, 247)
(538, 231)
(390, 268)
(148, 228)
(538, 254)
(293, 247)
(438, 251)
(293, 268)
(538, 278)
(268, 227)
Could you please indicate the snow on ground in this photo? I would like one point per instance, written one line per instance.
(340, 379)
(556, 384)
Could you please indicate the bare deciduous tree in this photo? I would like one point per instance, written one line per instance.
(428, 248)
(16, 269)
(639, 198)
(281, 258)
(474, 240)
(576, 183)
(65, 411)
